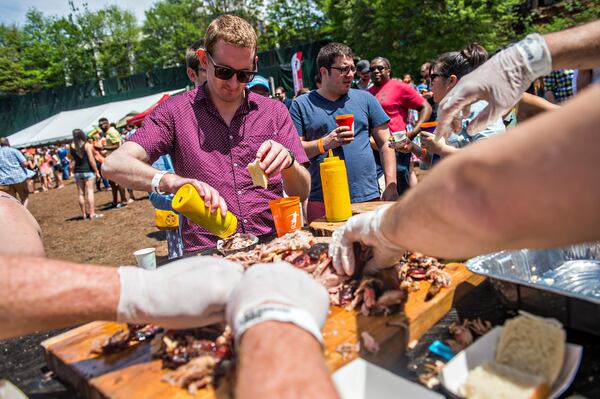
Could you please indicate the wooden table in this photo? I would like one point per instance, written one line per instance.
(134, 374)
(322, 227)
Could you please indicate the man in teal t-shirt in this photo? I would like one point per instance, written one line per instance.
(314, 116)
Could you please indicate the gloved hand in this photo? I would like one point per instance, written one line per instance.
(365, 229)
(501, 81)
(190, 292)
(277, 291)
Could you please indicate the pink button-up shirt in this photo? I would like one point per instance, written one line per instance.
(190, 129)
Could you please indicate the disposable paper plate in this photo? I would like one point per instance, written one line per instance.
(360, 379)
(454, 374)
(9, 391)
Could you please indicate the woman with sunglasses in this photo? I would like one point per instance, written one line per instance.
(397, 98)
(446, 71)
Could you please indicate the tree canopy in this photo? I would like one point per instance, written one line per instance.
(49, 51)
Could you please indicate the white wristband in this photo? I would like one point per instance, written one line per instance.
(276, 312)
(156, 181)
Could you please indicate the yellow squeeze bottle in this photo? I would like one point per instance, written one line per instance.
(336, 193)
(189, 203)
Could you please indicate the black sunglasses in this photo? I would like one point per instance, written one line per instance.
(435, 75)
(225, 73)
(377, 68)
(345, 70)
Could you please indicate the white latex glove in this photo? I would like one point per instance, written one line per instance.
(365, 229)
(501, 81)
(277, 291)
(186, 293)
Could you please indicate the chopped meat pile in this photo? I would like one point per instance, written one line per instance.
(178, 347)
(236, 241)
(197, 356)
(272, 251)
(414, 267)
(373, 295)
(123, 339)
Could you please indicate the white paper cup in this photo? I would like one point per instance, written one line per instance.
(400, 137)
(146, 258)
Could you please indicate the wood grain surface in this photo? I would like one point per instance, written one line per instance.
(133, 374)
(322, 227)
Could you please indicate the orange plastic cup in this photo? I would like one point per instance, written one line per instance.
(286, 214)
(345, 120)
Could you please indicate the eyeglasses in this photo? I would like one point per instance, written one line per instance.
(225, 73)
(432, 76)
(377, 68)
(345, 70)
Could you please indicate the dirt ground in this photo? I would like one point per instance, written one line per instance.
(107, 241)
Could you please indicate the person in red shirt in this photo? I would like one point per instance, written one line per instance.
(396, 98)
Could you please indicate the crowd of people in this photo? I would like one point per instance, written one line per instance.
(531, 186)
(32, 170)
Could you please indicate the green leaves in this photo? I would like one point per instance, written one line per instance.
(410, 33)
(50, 51)
(288, 23)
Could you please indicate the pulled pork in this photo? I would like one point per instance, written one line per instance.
(199, 357)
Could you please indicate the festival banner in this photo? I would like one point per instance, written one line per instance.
(297, 71)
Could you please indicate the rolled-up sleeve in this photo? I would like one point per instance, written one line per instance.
(288, 135)
(157, 134)
(296, 114)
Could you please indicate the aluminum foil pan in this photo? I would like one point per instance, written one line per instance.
(563, 282)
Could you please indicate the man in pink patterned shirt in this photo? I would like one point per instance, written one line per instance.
(212, 134)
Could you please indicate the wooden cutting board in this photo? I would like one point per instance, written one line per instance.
(133, 374)
(322, 227)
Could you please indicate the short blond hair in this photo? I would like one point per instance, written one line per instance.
(231, 29)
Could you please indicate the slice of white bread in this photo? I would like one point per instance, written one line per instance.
(259, 177)
(495, 381)
(533, 345)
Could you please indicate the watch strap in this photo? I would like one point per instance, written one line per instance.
(293, 159)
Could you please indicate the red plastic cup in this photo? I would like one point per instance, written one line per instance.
(345, 120)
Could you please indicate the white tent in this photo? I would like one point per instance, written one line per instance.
(60, 126)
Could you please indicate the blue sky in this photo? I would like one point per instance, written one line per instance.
(13, 11)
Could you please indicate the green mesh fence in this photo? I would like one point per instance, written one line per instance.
(19, 112)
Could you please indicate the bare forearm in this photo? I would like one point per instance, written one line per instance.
(41, 294)
(576, 48)
(311, 148)
(386, 154)
(128, 167)
(531, 105)
(296, 181)
(424, 115)
(91, 159)
(286, 360)
(489, 197)
(20, 234)
(584, 78)
(447, 150)
(388, 158)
